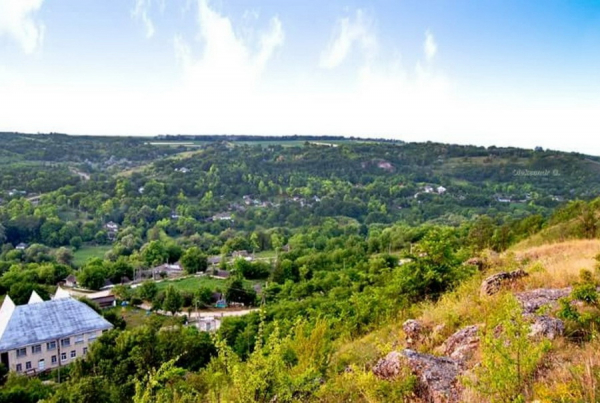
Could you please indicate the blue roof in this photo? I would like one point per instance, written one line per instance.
(49, 320)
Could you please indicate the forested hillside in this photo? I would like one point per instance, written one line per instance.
(335, 241)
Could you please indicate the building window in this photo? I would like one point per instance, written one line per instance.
(28, 365)
(21, 352)
(63, 356)
(19, 367)
(42, 365)
(54, 360)
(92, 337)
(84, 350)
(79, 339)
(65, 342)
(36, 349)
(73, 354)
(51, 345)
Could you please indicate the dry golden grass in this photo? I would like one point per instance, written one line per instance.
(571, 374)
(562, 262)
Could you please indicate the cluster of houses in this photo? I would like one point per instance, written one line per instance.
(428, 189)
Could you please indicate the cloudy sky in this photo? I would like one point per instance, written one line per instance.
(495, 72)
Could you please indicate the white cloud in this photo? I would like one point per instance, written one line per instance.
(229, 64)
(348, 33)
(430, 47)
(17, 21)
(141, 11)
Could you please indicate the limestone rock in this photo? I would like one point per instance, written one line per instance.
(437, 377)
(546, 326)
(462, 344)
(532, 300)
(492, 284)
(477, 262)
(389, 367)
(413, 329)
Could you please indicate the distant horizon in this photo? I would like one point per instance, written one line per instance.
(301, 136)
(502, 72)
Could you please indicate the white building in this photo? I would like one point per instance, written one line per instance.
(208, 324)
(46, 334)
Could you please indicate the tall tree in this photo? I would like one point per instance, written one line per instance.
(173, 300)
(194, 261)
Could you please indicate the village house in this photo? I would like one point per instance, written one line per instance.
(222, 217)
(441, 190)
(242, 254)
(71, 281)
(21, 246)
(208, 324)
(112, 229)
(111, 226)
(43, 335)
(104, 299)
(171, 270)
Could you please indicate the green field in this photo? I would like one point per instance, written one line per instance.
(266, 254)
(191, 284)
(87, 252)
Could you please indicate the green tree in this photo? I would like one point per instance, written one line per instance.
(2, 234)
(173, 300)
(237, 292)
(76, 242)
(203, 296)
(154, 253)
(92, 275)
(481, 232)
(194, 261)
(509, 357)
(147, 291)
(64, 256)
(168, 384)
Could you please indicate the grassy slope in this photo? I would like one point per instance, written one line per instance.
(87, 252)
(553, 265)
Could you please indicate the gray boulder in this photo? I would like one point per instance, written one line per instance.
(532, 300)
(462, 345)
(492, 284)
(437, 377)
(548, 327)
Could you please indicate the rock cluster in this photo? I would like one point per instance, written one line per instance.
(492, 284)
(437, 377)
(532, 300)
(548, 327)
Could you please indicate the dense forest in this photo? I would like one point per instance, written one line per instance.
(331, 239)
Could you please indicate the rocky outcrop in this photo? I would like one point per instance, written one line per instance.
(437, 377)
(462, 345)
(492, 284)
(477, 262)
(389, 367)
(548, 327)
(532, 300)
(413, 330)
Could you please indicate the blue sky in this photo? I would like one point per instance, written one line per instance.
(522, 73)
